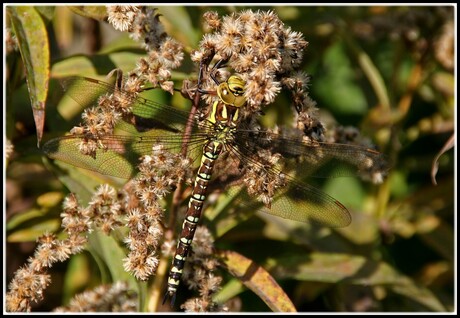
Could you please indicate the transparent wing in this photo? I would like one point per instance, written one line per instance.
(86, 91)
(300, 201)
(304, 203)
(153, 123)
(120, 155)
(315, 159)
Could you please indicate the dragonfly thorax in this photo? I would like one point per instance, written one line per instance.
(225, 110)
(224, 115)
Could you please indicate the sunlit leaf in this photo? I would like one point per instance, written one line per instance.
(20, 218)
(434, 168)
(178, 21)
(47, 12)
(96, 65)
(351, 269)
(77, 276)
(438, 235)
(50, 199)
(34, 47)
(258, 280)
(109, 250)
(369, 69)
(94, 12)
(34, 231)
(229, 290)
(346, 97)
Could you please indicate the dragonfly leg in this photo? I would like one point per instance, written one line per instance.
(170, 294)
(219, 64)
(212, 73)
(202, 91)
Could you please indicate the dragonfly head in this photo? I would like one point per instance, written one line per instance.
(231, 91)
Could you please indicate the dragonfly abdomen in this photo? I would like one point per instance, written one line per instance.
(211, 152)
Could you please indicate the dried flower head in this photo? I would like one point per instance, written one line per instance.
(26, 287)
(259, 180)
(104, 298)
(9, 149)
(104, 209)
(202, 305)
(140, 263)
(122, 17)
(159, 173)
(29, 282)
(258, 47)
(163, 55)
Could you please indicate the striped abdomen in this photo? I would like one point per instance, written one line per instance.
(210, 153)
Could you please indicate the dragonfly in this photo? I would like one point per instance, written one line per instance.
(222, 131)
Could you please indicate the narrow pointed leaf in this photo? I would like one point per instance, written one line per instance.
(351, 269)
(34, 47)
(258, 280)
(112, 254)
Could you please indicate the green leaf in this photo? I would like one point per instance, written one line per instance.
(228, 291)
(258, 280)
(351, 269)
(32, 232)
(94, 12)
(227, 214)
(177, 21)
(346, 190)
(47, 12)
(112, 254)
(438, 235)
(50, 199)
(20, 218)
(77, 276)
(30, 224)
(370, 70)
(123, 44)
(347, 96)
(95, 65)
(34, 47)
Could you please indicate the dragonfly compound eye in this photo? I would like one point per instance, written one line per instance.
(231, 92)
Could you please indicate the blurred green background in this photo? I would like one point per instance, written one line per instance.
(387, 70)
